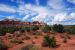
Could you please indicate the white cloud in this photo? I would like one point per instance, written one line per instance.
(6, 8)
(44, 14)
(59, 14)
(26, 17)
(33, 10)
(73, 15)
(56, 4)
(11, 17)
(59, 18)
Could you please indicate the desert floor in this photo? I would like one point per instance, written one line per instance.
(70, 45)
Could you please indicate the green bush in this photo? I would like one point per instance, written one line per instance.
(26, 29)
(3, 46)
(34, 28)
(4, 30)
(70, 30)
(46, 29)
(58, 28)
(49, 41)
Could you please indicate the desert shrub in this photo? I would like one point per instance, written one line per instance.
(3, 46)
(68, 36)
(30, 47)
(17, 41)
(4, 30)
(70, 30)
(27, 29)
(33, 41)
(58, 28)
(36, 37)
(34, 28)
(46, 29)
(18, 35)
(26, 37)
(65, 39)
(37, 33)
(9, 37)
(22, 30)
(49, 41)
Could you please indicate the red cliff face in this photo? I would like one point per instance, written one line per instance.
(8, 22)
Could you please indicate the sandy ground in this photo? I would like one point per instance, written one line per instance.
(70, 45)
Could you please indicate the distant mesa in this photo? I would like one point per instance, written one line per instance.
(16, 22)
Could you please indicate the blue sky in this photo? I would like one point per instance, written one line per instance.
(48, 11)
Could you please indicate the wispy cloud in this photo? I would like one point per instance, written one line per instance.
(55, 12)
(10, 17)
(56, 4)
(6, 8)
(44, 14)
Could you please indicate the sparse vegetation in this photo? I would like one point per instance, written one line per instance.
(17, 41)
(4, 30)
(34, 28)
(65, 39)
(46, 29)
(3, 46)
(30, 47)
(49, 41)
(18, 35)
(26, 37)
(36, 37)
(70, 30)
(58, 28)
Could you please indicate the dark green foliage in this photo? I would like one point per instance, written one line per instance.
(49, 41)
(34, 28)
(4, 30)
(70, 30)
(47, 28)
(3, 46)
(26, 29)
(29, 28)
(26, 37)
(58, 28)
(22, 30)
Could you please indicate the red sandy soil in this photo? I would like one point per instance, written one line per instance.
(70, 45)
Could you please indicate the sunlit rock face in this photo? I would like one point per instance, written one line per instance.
(16, 22)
